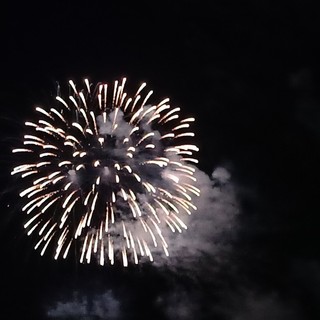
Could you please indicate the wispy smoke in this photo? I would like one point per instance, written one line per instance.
(85, 306)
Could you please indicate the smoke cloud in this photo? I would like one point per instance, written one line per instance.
(211, 227)
(85, 306)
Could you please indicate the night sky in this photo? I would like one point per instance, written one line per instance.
(249, 72)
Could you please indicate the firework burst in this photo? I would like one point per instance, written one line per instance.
(107, 173)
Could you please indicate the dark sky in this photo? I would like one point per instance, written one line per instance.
(249, 72)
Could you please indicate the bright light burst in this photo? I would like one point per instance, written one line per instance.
(106, 173)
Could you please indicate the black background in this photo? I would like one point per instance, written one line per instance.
(249, 72)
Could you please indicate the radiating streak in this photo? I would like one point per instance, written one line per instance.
(33, 143)
(27, 136)
(100, 100)
(171, 118)
(140, 88)
(181, 126)
(43, 163)
(86, 81)
(173, 207)
(28, 190)
(66, 187)
(168, 135)
(30, 124)
(44, 227)
(150, 134)
(70, 137)
(67, 250)
(128, 168)
(153, 211)
(83, 248)
(68, 198)
(154, 117)
(146, 98)
(187, 120)
(147, 250)
(146, 112)
(94, 122)
(61, 241)
(49, 146)
(190, 160)
(166, 211)
(95, 247)
(28, 173)
(63, 102)
(124, 257)
(182, 224)
(74, 102)
(101, 254)
(27, 224)
(105, 95)
(38, 244)
(191, 187)
(188, 147)
(165, 250)
(112, 214)
(73, 86)
(125, 235)
(174, 223)
(77, 125)
(185, 134)
(21, 150)
(47, 154)
(152, 235)
(49, 232)
(31, 194)
(172, 177)
(110, 250)
(182, 204)
(39, 109)
(136, 99)
(160, 109)
(107, 219)
(157, 162)
(159, 232)
(22, 168)
(184, 194)
(127, 104)
(88, 255)
(62, 163)
(46, 245)
(94, 202)
(135, 115)
(115, 118)
(84, 114)
(170, 225)
(32, 229)
(188, 176)
(37, 204)
(189, 153)
(49, 204)
(114, 92)
(83, 99)
(168, 114)
(137, 177)
(31, 202)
